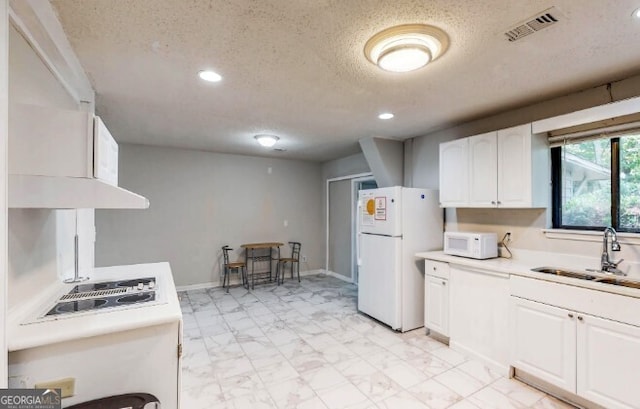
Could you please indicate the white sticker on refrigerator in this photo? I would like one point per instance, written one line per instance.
(368, 210)
(381, 208)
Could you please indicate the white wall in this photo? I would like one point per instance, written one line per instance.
(526, 225)
(40, 242)
(201, 201)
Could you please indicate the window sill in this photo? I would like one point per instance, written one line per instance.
(589, 235)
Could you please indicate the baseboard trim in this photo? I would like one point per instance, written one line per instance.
(236, 281)
(502, 369)
(201, 286)
(338, 276)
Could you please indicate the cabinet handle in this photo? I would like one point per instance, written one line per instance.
(434, 268)
(444, 283)
(499, 202)
(580, 318)
(493, 202)
(570, 315)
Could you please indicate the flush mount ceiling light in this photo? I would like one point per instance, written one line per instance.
(209, 75)
(267, 140)
(386, 115)
(636, 14)
(406, 47)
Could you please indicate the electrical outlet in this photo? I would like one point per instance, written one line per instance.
(66, 386)
(20, 382)
(304, 258)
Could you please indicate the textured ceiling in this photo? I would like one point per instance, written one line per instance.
(296, 68)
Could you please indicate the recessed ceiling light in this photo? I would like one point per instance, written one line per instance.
(386, 115)
(406, 47)
(267, 140)
(636, 14)
(210, 76)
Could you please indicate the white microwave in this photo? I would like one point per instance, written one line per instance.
(472, 245)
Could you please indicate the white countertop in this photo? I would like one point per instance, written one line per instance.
(526, 260)
(26, 328)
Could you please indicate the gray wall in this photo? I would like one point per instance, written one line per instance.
(340, 205)
(421, 153)
(201, 201)
(350, 165)
(526, 225)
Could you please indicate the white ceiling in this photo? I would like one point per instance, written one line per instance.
(296, 68)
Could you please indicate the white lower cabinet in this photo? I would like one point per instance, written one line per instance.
(595, 358)
(436, 297)
(608, 358)
(543, 342)
(479, 314)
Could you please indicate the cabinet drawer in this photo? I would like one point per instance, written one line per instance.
(436, 268)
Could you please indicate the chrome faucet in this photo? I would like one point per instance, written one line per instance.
(606, 264)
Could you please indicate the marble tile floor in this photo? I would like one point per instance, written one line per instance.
(304, 345)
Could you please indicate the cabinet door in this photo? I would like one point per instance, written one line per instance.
(479, 314)
(514, 167)
(608, 362)
(483, 170)
(543, 342)
(436, 305)
(454, 182)
(105, 166)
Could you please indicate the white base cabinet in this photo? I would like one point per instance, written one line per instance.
(597, 359)
(436, 297)
(608, 362)
(479, 317)
(543, 342)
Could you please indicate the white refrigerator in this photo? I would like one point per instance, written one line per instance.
(394, 224)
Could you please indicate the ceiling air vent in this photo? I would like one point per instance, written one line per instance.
(533, 24)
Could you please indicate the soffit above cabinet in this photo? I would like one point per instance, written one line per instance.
(52, 192)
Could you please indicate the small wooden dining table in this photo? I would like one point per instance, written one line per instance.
(260, 252)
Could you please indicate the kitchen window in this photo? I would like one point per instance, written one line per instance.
(596, 181)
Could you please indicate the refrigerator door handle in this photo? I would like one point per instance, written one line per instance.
(358, 233)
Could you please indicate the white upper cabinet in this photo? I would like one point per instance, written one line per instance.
(483, 170)
(48, 141)
(509, 168)
(524, 174)
(64, 159)
(454, 173)
(105, 165)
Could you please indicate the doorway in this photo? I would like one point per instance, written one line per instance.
(357, 184)
(341, 207)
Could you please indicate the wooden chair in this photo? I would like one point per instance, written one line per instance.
(237, 266)
(294, 259)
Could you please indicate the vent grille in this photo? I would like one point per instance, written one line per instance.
(92, 294)
(533, 24)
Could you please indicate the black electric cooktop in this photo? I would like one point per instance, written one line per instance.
(108, 285)
(108, 294)
(99, 303)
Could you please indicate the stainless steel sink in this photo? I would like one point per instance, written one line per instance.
(564, 273)
(618, 281)
(586, 276)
